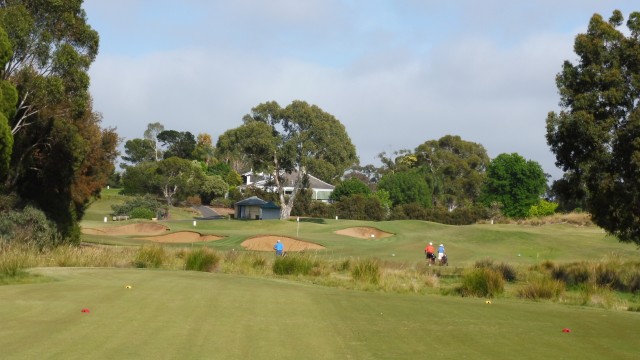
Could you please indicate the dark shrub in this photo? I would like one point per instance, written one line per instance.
(360, 207)
(29, 226)
(322, 210)
(411, 211)
(145, 202)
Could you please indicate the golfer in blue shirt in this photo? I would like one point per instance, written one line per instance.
(279, 248)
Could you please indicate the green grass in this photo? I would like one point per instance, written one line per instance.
(194, 315)
(512, 244)
(243, 310)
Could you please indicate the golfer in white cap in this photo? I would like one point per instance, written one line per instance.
(440, 252)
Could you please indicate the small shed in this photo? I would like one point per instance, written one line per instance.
(256, 208)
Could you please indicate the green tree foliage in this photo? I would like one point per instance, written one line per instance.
(543, 208)
(299, 138)
(204, 150)
(147, 201)
(368, 174)
(230, 176)
(138, 150)
(360, 207)
(458, 168)
(8, 102)
(173, 178)
(348, 187)
(137, 179)
(177, 178)
(406, 187)
(61, 157)
(212, 186)
(180, 144)
(28, 226)
(596, 135)
(514, 182)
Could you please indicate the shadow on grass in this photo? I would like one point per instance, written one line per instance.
(312, 220)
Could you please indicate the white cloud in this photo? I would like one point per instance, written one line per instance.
(395, 74)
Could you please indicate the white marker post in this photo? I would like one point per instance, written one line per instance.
(194, 223)
(297, 226)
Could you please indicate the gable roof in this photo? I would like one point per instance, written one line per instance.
(254, 200)
(314, 183)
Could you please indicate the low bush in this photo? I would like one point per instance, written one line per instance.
(293, 264)
(482, 282)
(541, 288)
(366, 270)
(142, 213)
(146, 202)
(202, 259)
(153, 256)
(29, 227)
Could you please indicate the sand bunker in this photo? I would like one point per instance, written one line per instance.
(364, 233)
(265, 243)
(130, 229)
(182, 237)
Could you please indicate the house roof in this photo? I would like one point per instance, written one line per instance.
(254, 200)
(270, 205)
(289, 179)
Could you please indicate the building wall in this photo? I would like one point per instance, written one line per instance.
(270, 214)
(248, 212)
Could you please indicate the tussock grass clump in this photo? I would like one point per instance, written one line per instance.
(14, 260)
(482, 282)
(293, 264)
(153, 256)
(366, 270)
(541, 288)
(202, 259)
(611, 274)
(507, 271)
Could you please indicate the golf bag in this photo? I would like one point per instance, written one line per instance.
(444, 261)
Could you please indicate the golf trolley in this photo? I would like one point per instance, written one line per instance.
(443, 261)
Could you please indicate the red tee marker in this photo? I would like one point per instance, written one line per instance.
(84, 310)
(566, 330)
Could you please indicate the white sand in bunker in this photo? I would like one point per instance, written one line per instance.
(265, 243)
(129, 229)
(182, 237)
(364, 232)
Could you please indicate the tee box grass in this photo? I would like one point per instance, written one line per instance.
(193, 315)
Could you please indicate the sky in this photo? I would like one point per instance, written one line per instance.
(395, 73)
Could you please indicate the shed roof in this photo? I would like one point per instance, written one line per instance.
(254, 200)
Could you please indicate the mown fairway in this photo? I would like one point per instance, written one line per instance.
(190, 315)
(175, 314)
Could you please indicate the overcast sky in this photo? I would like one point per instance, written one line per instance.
(395, 73)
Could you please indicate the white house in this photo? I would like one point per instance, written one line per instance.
(320, 189)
